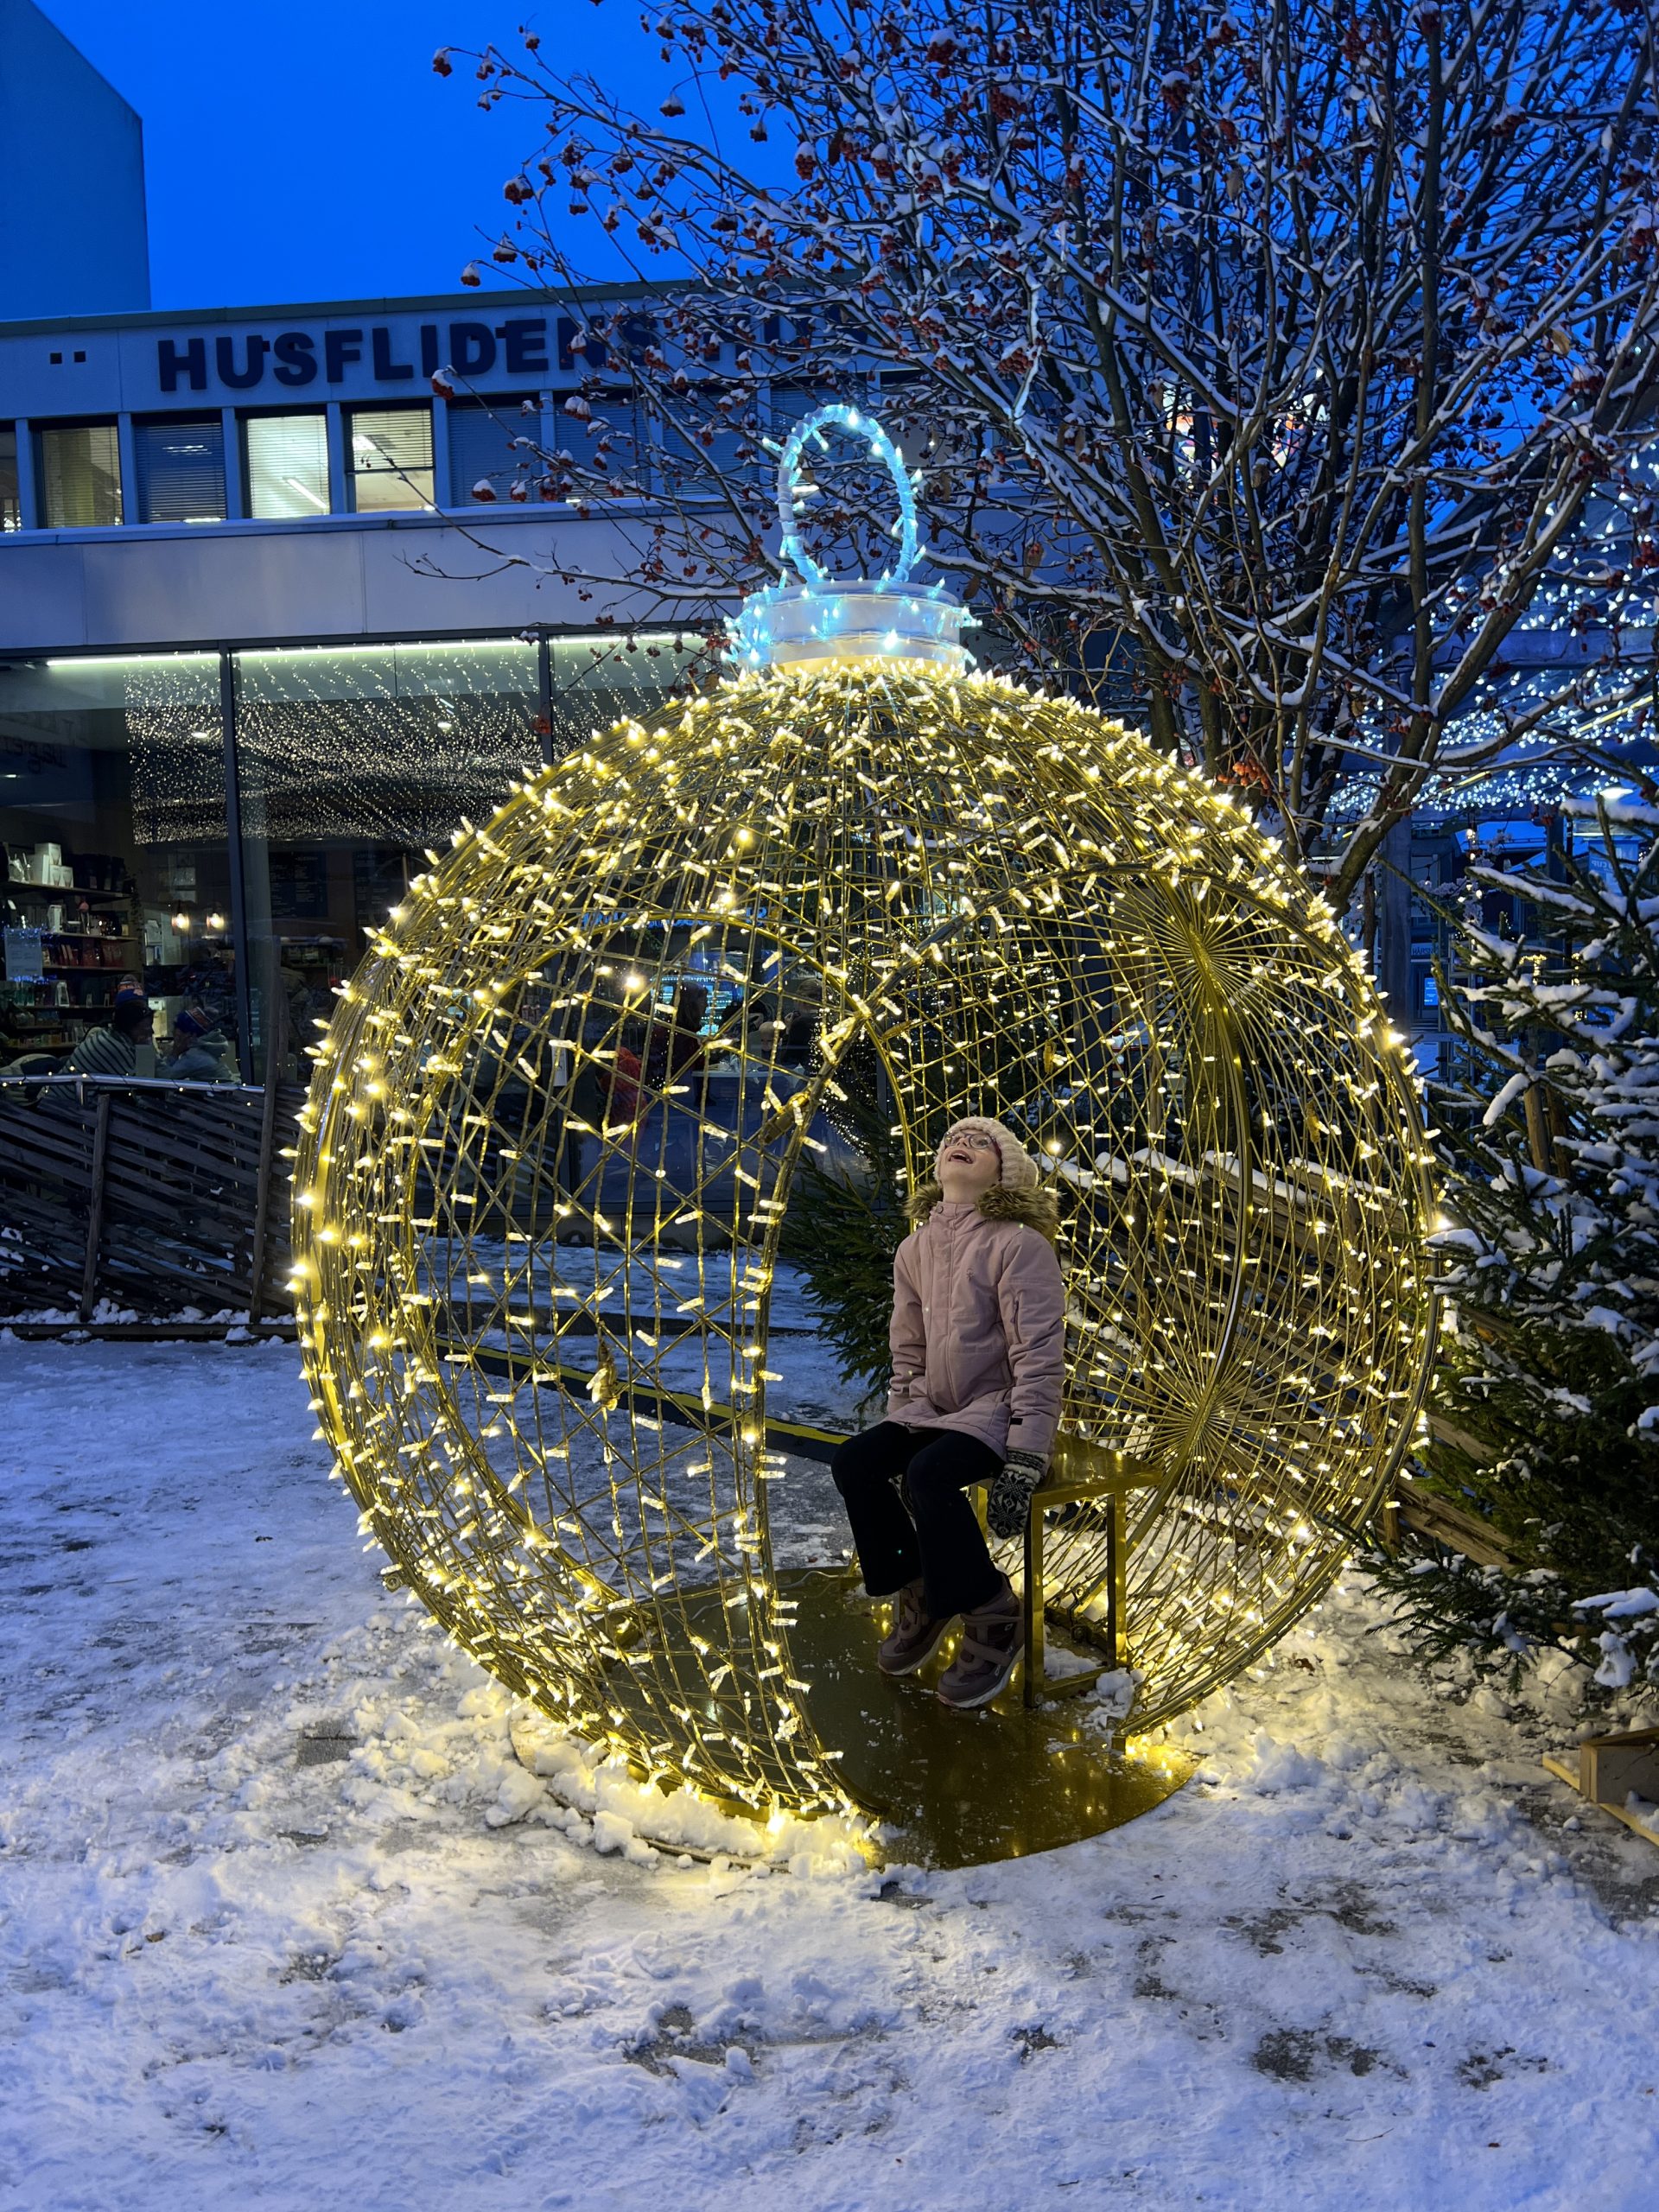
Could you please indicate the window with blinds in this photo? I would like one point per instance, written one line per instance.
(79, 472)
(180, 469)
(10, 512)
(684, 449)
(391, 457)
(286, 465)
(482, 450)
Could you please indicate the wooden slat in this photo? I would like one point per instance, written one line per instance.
(276, 1044)
(271, 1330)
(1567, 1770)
(179, 1186)
(1448, 1524)
(95, 1204)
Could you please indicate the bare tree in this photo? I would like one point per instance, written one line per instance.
(1290, 346)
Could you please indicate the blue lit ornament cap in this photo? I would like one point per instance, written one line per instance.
(821, 621)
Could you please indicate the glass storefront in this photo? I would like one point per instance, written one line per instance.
(113, 848)
(116, 853)
(355, 759)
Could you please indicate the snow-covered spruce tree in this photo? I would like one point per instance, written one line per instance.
(843, 1226)
(1265, 353)
(1544, 1417)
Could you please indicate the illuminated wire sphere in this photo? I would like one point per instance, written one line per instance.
(953, 895)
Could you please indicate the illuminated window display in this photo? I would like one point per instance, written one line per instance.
(112, 819)
(139, 844)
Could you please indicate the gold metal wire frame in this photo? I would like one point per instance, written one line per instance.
(536, 1280)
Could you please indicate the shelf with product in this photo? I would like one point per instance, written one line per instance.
(82, 925)
(29, 1025)
(72, 949)
(70, 946)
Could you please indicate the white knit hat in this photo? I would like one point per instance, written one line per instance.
(1019, 1168)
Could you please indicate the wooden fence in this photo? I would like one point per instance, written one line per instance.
(153, 1196)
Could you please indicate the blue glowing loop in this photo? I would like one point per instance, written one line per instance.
(883, 449)
(822, 618)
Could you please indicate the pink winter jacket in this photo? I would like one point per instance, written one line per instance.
(978, 1330)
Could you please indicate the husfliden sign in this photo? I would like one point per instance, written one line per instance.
(382, 354)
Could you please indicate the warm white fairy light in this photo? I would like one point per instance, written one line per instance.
(1016, 907)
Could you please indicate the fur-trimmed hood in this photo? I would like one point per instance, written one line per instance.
(1039, 1208)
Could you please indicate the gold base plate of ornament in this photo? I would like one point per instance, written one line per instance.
(959, 1788)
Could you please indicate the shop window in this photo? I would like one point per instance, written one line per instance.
(180, 470)
(80, 475)
(481, 448)
(597, 680)
(286, 461)
(389, 452)
(352, 761)
(688, 445)
(114, 860)
(11, 515)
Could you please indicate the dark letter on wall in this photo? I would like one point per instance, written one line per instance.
(191, 358)
(242, 380)
(592, 356)
(380, 352)
(340, 347)
(526, 342)
(472, 348)
(296, 358)
(429, 349)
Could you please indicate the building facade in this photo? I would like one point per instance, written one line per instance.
(73, 239)
(265, 637)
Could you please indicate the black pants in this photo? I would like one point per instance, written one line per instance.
(939, 1537)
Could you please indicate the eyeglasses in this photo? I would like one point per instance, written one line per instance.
(976, 1140)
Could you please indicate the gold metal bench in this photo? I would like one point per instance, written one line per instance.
(1079, 1470)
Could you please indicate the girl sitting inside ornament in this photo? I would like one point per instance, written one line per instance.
(978, 1337)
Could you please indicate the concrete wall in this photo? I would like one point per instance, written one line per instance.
(404, 575)
(175, 362)
(73, 239)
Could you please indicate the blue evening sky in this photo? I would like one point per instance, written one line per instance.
(303, 150)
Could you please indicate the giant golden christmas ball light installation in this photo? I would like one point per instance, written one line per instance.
(985, 900)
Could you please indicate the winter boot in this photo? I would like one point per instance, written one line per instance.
(993, 1636)
(912, 1637)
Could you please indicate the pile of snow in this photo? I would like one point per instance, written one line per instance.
(285, 1921)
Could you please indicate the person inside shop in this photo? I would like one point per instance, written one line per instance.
(113, 1049)
(674, 1053)
(620, 1117)
(978, 1338)
(210, 982)
(600, 1104)
(199, 1051)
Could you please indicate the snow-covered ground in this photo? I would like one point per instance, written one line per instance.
(284, 1923)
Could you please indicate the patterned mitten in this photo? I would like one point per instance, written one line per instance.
(1009, 1506)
